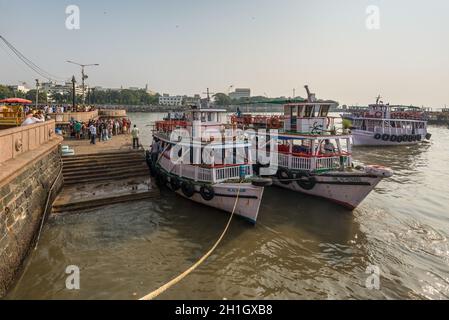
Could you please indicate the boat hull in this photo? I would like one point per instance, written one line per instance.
(365, 138)
(225, 195)
(347, 189)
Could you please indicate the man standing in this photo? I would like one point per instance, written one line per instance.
(93, 133)
(77, 126)
(135, 135)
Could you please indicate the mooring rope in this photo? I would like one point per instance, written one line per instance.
(50, 192)
(174, 281)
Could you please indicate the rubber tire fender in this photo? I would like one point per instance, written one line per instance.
(188, 189)
(284, 174)
(175, 184)
(385, 137)
(377, 136)
(393, 138)
(308, 184)
(207, 192)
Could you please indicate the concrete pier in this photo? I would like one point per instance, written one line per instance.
(29, 166)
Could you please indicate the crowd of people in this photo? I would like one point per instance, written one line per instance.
(105, 129)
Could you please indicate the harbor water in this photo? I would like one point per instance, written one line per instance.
(301, 247)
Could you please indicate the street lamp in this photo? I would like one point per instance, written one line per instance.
(83, 75)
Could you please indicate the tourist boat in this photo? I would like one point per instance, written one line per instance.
(384, 125)
(12, 112)
(202, 161)
(311, 157)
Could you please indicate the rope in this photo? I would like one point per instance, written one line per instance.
(174, 281)
(46, 206)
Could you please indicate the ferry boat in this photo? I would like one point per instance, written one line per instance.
(384, 125)
(313, 158)
(202, 159)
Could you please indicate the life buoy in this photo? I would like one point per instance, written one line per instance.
(385, 137)
(188, 189)
(377, 136)
(284, 175)
(274, 122)
(175, 184)
(305, 180)
(207, 192)
(378, 114)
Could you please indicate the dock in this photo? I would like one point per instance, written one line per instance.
(106, 173)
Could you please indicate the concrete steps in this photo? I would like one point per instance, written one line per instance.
(87, 168)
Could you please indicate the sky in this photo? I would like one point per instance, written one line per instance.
(272, 47)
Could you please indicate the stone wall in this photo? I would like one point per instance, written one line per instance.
(23, 193)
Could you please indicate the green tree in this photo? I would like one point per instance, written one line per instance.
(222, 99)
(31, 95)
(5, 92)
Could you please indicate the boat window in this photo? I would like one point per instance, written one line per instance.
(324, 110)
(308, 112)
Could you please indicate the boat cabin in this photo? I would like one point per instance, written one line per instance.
(306, 117)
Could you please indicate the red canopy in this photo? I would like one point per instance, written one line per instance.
(16, 100)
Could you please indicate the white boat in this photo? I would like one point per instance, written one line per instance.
(384, 125)
(314, 159)
(217, 182)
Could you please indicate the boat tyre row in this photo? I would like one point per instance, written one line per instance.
(398, 138)
(303, 179)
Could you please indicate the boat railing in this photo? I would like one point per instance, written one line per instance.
(398, 131)
(314, 163)
(215, 174)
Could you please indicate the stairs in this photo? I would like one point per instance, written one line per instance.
(91, 168)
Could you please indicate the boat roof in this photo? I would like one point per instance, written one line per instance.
(206, 110)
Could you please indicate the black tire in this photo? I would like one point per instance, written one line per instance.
(393, 138)
(377, 136)
(418, 137)
(284, 176)
(188, 189)
(175, 184)
(261, 182)
(410, 138)
(399, 139)
(413, 137)
(305, 180)
(385, 137)
(161, 179)
(207, 192)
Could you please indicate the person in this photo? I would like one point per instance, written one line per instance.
(93, 133)
(135, 135)
(30, 119)
(239, 113)
(328, 147)
(154, 151)
(77, 126)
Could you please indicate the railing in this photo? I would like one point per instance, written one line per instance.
(64, 118)
(310, 163)
(18, 140)
(398, 131)
(212, 174)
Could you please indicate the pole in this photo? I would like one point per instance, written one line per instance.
(73, 93)
(82, 78)
(37, 92)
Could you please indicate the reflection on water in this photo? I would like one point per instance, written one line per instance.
(301, 247)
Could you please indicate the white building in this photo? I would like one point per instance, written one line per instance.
(167, 100)
(18, 88)
(240, 93)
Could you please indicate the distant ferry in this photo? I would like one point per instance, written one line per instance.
(384, 125)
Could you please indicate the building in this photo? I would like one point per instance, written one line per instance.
(19, 88)
(240, 93)
(189, 101)
(167, 100)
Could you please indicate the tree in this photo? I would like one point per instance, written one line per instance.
(222, 99)
(5, 92)
(31, 95)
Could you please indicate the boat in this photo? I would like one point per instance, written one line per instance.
(200, 158)
(310, 156)
(387, 125)
(12, 112)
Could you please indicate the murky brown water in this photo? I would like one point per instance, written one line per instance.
(301, 247)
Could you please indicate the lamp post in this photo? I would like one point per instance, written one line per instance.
(83, 76)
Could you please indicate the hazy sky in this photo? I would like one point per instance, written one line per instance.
(182, 47)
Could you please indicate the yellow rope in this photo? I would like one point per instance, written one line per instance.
(174, 281)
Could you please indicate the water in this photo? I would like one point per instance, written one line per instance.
(301, 247)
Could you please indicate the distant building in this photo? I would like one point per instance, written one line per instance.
(195, 100)
(167, 100)
(18, 88)
(240, 93)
